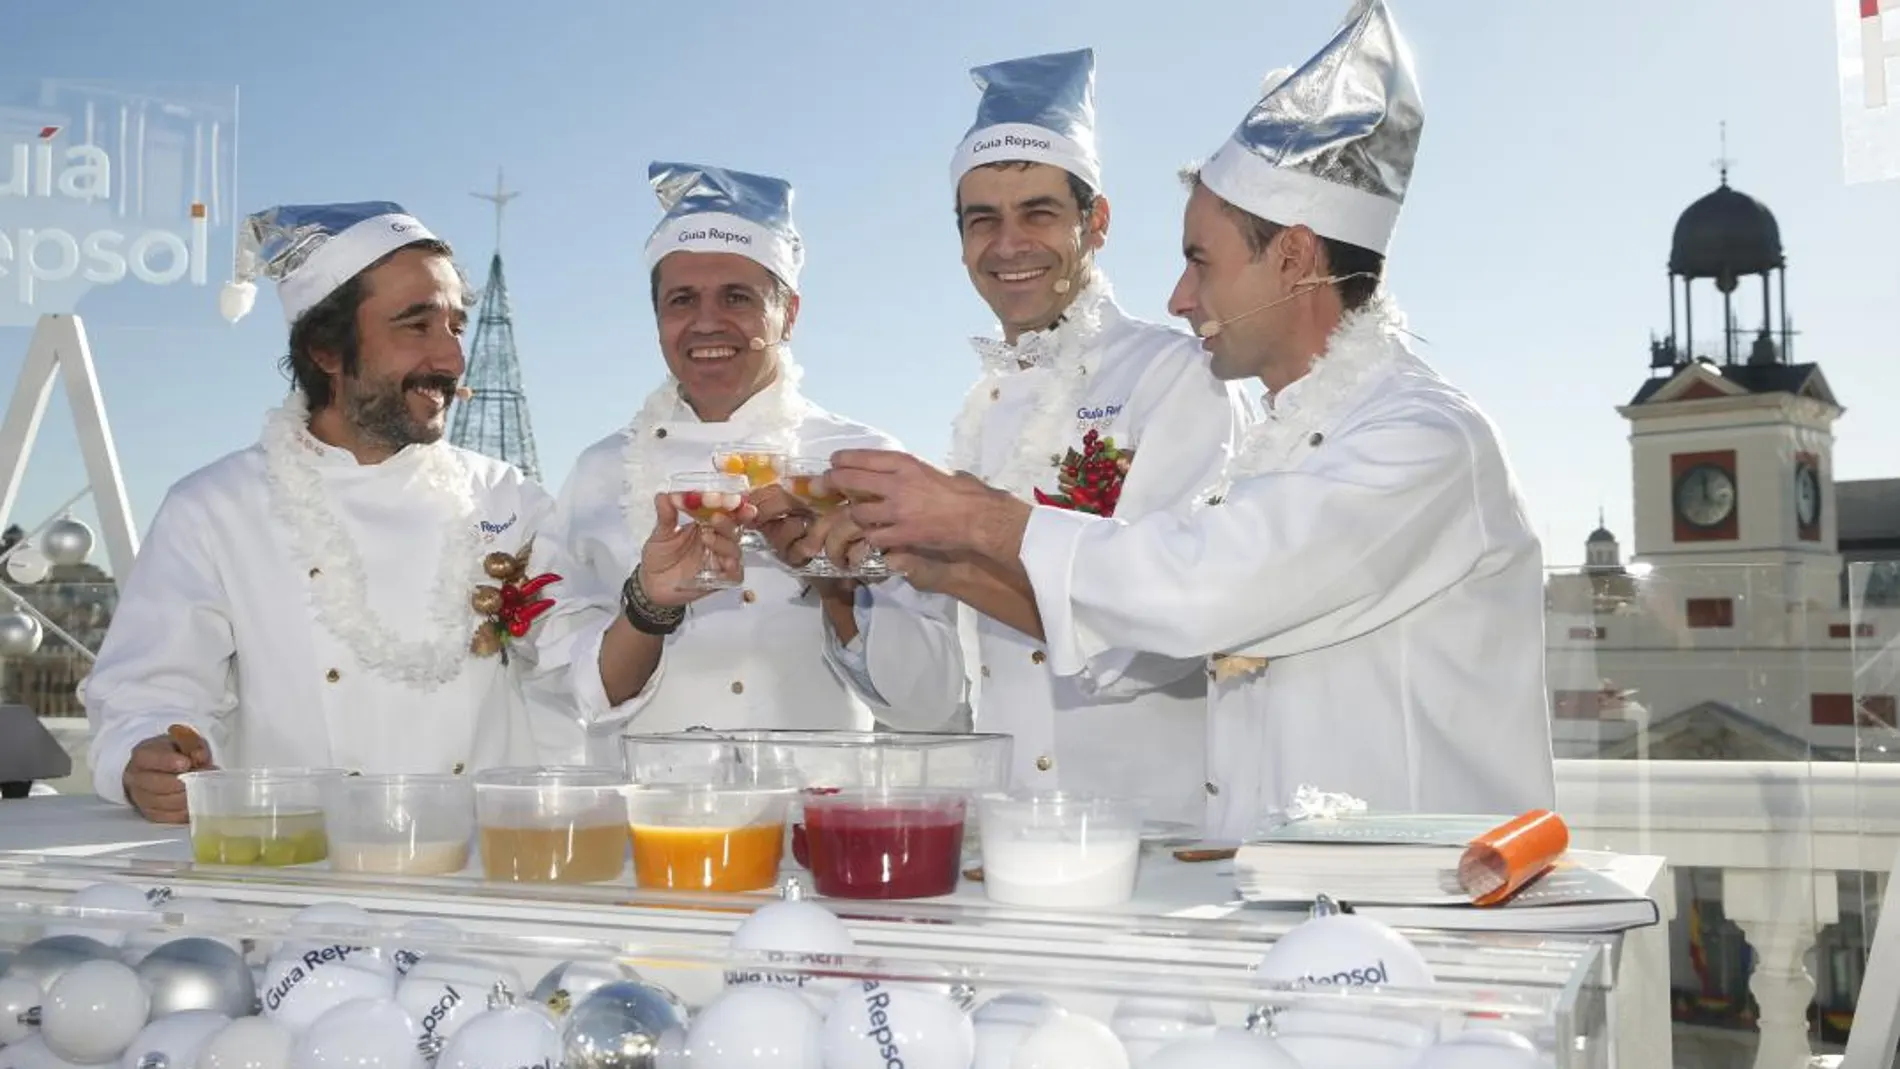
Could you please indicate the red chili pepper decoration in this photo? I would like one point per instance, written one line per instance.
(1091, 480)
(540, 582)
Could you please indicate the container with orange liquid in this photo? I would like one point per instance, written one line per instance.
(759, 462)
(699, 837)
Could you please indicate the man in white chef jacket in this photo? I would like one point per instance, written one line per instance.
(308, 600)
(1072, 369)
(1363, 573)
(638, 653)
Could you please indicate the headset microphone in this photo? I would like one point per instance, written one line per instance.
(758, 344)
(1062, 285)
(1213, 327)
(463, 393)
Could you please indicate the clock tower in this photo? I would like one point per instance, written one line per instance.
(1731, 441)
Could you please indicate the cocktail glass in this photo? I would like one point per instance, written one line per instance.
(704, 495)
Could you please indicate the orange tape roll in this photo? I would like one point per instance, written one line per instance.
(1499, 862)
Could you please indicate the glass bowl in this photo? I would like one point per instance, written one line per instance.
(410, 825)
(258, 816)
(552, 824)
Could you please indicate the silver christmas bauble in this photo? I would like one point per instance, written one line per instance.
(67, 541)
(20, 635)
(623, 1025)
(569, 982)
(48, 959)
(198, 974)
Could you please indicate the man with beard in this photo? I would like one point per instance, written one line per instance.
(1363, 573)
(637, 647)
(1080, 405)
(310, 600)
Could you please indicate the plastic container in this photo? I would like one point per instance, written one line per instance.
(707, 838)
(418, 825)
(1060, 850)
(552, 824)
(823, 760)
(885, 843)
(258, 816)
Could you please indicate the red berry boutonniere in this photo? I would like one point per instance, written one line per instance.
(1091, 480)
(510, 608)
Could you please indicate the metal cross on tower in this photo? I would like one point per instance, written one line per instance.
(494, 420)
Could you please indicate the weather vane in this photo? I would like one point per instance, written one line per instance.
(499, 198)
(1723, 162)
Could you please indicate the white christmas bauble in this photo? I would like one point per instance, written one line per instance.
(756, 1028)
(873, 1024)
(1002, 1023)
(1070, 1041)
(178, 1039)
(116, 897)
(27, 565)
(423, 930)
(92, 1013)
(512, 1037)
(248, 1043)
(442, 992)
(300, 989)
(362, 945)
(1145, 1025)
(1343, 1047)
(798, 932)
(191, 911)
(67, 541)
(1347, 950)
(1482, 1049)
(370, 1033)
(17, 995)
(20, 634)
(33, 1053)
(1227, 1048)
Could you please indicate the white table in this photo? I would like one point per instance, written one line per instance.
(85, 828)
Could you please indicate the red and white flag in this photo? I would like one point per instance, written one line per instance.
(1869, 35)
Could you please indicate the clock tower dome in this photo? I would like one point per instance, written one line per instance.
(1731, 440)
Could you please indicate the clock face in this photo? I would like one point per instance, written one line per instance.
(1705, 496)
(1807, 494)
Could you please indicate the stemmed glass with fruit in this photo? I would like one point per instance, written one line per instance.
(704, 495)
(808, 480)
(761, 463)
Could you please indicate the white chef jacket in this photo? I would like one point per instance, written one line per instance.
(746, 658)
(215, 629)
(1148, 387)
(1387, 571)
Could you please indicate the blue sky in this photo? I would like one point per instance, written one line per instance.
(1561, 143)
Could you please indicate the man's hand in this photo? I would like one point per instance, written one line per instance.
(673, 554)
(151, 776)
(928, 571)
(782, 521)
(904, 503)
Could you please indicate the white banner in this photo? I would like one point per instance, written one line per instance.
(1868, 33)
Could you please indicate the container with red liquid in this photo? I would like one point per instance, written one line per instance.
(885, 842)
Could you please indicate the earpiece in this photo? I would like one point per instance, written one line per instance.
(1062, 285)
(758, 344)
(463, 393)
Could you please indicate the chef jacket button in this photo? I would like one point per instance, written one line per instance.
(458, 769)
(1212, 788)
(996, 394)
(749, 597)
(332, 675)
(1316, 438)
(986, 671)
(1044, 763)
(1037, 657)
(314, 572)
(659, 432)
(738, 687)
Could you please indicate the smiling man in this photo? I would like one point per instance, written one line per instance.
(1363, 574)
(307, 601)
(1079, 405)
(638, 649)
